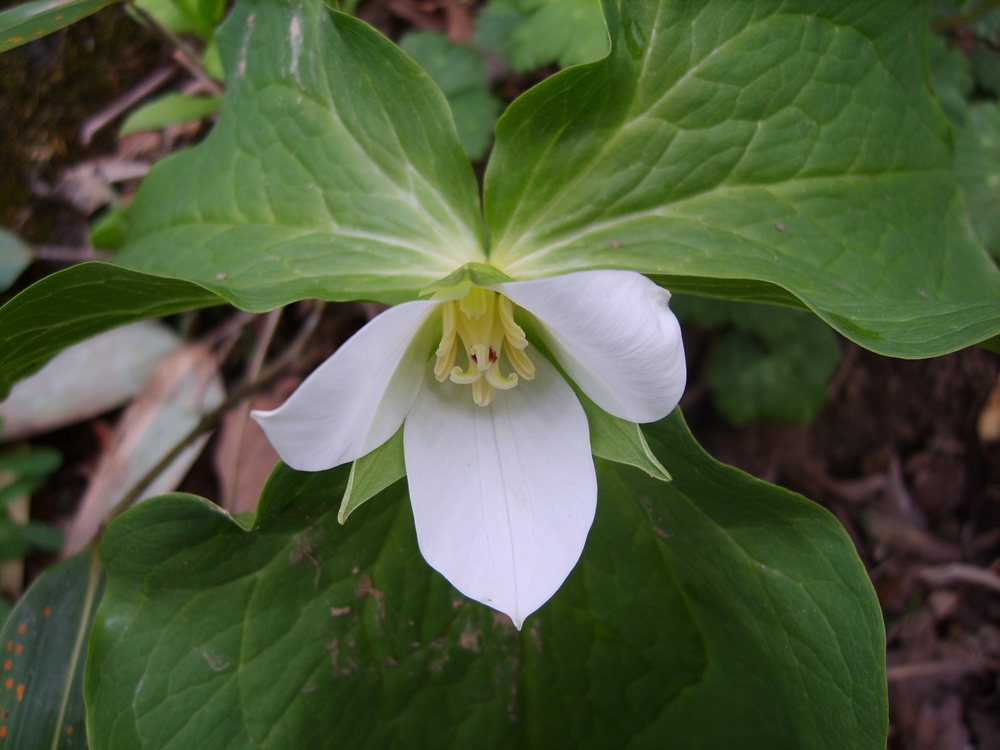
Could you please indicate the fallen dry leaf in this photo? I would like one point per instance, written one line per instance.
(87, 379)
(185, 387)
(988, 424)
(244, 458)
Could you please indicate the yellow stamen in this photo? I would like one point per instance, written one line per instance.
(483, 321)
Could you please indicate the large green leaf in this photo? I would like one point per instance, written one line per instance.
(792, 143)
(44, 645)
(712, 612)
(79, 302)
(334, 171)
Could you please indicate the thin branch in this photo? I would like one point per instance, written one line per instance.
(963, 19)
(129, 99)
(228, 463)
(68, 254)
(958, 574)
(210, 420)
(185, 56)
(944, 669)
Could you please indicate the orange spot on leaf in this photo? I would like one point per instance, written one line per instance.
(8, 664)
(22, 628)
(47, 611)
(3, 731)
(10, 645)
(69, 730)
(18, 648)
(20, 691)
(9, 683)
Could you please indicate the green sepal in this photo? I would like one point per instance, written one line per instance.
(458, 283)
(373, 473)
(620, 441)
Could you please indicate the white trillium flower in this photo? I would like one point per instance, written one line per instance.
(496, 442)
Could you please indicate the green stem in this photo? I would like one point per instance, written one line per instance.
(186, 56)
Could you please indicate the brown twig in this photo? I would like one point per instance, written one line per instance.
(962, 19)
(68, 254)
(958, 574)
(144, 88)
(210, 420)
(184, 55)
(241, 414)
(946, 668)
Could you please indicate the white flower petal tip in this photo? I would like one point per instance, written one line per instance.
(358, 398)
(503, 496)
(614, 334)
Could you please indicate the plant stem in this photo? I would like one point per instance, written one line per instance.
(69, 254)
(185, 56)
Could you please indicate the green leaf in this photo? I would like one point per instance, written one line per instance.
(24, 471)
(186, 16)
(712, 612)
(793, 144)
(334, 171)
(15, 256)
(171, 109)
(110, 229)
(531, 34)
(461, 75)
(79, 302)
(977, 166)
(44, 641)
(29, 21)
(19, 539)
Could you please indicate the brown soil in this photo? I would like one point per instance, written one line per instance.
(895, 453)
(896, 457)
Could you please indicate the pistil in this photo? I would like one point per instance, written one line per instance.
(483, 321)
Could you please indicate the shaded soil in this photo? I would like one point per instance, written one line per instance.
(895, 454)
(896, 457)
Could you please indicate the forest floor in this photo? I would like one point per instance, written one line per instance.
(895, 454)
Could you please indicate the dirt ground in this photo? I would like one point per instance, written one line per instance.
(896, 456)
(896, 453)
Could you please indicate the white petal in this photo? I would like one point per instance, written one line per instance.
(614, 334)
(503, 496)
(358, 398)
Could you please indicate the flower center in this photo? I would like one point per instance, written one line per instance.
(483, 321)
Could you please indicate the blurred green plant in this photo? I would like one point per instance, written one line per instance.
(460, 73)
(768, 363)
(21, 473)
(530, 34)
